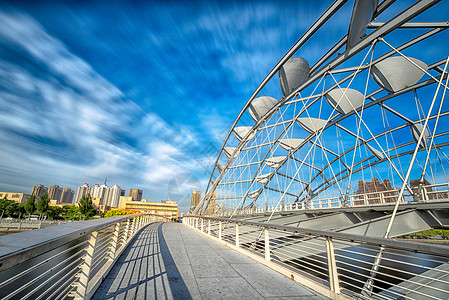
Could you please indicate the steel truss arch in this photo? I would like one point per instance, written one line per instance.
(257, 151)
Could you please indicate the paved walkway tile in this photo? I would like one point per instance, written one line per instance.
(172, 261)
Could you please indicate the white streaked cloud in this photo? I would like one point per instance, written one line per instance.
(66, 127)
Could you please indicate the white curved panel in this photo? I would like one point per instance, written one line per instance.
(220, 168)
(416, 129)
(290, 144)
(293, 73)
(311, 125)
(260, 106)
(275, 161)
(242, 131)
(255, 194)
(362, 14)
(397, 73)
(263, 178)
(345, 100)
(375, 152)
(228, 151)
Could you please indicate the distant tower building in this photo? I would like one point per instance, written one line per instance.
(212, 205)
(39, 190)
(122, 193)
(135, 194)
(114, 196)
(67, 195)
(82, 190)
(195, 199)
(100, 192)
(55, 193)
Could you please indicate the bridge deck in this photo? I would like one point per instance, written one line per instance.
(171, 261)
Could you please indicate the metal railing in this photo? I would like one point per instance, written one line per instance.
(66, 261)
(425, 193)
(339, 262)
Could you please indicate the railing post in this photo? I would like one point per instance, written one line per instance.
(197, 220)
(267, 244)
(208, 227)
(237, 241)
(84, 276)
(125, 238)
(133, 227)
(332, 266)
(114, 241)
(202, 225)
(425, 195)
(219, 230)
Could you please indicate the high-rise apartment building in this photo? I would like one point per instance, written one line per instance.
(103, 194)
(195, 199)
(212, 205)
(82, 190)
(67, 195)
(100, 192)
(55, 193)
(114, 196)
(135, 194)
(38, 190)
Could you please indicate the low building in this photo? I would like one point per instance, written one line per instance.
(166, 209)
(18, 197)
(97, 202)
(60, 204)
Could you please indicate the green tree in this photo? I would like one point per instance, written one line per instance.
(72, 212)
(42, 204)
(10, 208)
(117, 212)
(86, 207)
(13, 209)
(30, 205)
(54, 212)
(3, 205)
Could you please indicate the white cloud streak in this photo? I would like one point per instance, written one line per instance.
(65, 128)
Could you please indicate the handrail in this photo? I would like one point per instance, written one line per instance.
(403, 245)
(337, 264)
(69, 260)
(22, 246)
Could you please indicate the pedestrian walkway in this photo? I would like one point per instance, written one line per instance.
(172, 261)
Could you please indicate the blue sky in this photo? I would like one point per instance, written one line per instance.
(140, 93)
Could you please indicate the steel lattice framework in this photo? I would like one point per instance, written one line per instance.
(372, 106)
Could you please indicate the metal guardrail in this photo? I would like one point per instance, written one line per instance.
(425, 193)
(357, 266)
(23, 224)
(66, 261)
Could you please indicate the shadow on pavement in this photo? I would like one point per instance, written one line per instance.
(142, 262)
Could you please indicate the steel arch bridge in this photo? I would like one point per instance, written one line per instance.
(364, 122)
